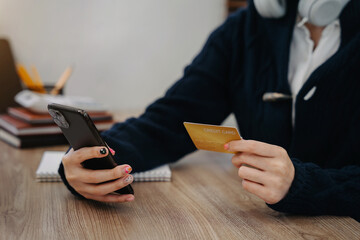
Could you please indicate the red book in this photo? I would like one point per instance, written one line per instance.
(36, 118)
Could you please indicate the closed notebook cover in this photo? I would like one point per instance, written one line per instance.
(158, 174)
(19, 127)
(48, 170)
(36, 118)
(9, 80)
(49, 164)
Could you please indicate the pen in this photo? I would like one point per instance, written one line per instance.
(24, 76)
(61, 82)
(37, 80)
(28, 81)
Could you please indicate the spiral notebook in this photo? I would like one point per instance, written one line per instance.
(48, 170)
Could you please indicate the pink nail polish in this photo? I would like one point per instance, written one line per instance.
(226, 146)
(112, 151)
(130, 198)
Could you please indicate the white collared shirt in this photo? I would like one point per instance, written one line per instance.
(304, 59)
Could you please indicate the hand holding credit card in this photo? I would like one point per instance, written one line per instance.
(211, 137)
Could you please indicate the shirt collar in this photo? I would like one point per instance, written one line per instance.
(300, 23)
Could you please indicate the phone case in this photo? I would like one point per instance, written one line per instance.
(80, 132)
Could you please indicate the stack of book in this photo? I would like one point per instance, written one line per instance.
(22, 128)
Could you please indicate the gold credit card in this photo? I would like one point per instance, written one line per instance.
(211, 137)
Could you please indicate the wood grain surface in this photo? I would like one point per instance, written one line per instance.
(204, 200)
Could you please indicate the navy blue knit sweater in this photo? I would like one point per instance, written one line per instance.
(244, 58)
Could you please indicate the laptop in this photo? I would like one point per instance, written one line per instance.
(10, 83)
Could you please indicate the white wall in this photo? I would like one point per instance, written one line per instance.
(125, 53)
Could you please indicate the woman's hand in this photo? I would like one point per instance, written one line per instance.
(93, 184)
(266, 169)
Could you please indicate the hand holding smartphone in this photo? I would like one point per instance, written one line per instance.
(81, 132)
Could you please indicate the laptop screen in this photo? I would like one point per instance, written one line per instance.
(9, 80)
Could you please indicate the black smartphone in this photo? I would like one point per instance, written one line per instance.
(80, 131)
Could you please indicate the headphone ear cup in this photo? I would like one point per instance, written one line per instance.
(321, 13)
(270, 8)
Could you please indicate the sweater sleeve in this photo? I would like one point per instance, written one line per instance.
(158, 136)
(318, 191)
(201, 95)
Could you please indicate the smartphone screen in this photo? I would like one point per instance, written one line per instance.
(80, 131)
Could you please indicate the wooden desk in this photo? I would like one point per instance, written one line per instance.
(204, 201)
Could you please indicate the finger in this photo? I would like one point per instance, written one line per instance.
(112, 198)
(251, 146)
(106, 188)
(254, 188)
(252, 174)
(249, 159)
(99, 176)
(82, 154)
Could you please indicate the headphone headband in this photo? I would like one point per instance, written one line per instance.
(317, 12)
(270, 9)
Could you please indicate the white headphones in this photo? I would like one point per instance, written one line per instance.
(317, 12)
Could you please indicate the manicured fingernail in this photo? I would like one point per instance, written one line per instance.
(103, 151)
(128, 169)
(112, 151)
(129, 199)
(129, 179)
(226, 146)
